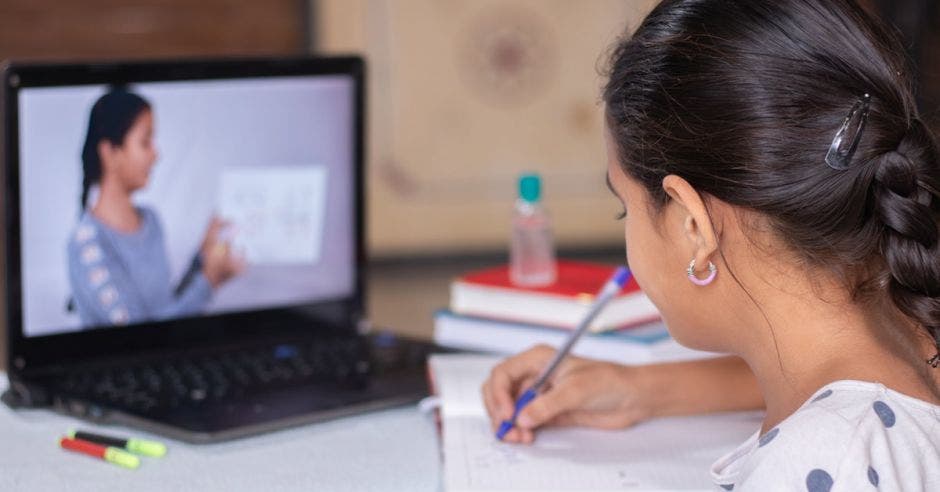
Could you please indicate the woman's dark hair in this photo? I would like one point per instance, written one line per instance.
(743, 98)
(111, 117)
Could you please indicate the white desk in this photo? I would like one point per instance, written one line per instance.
(384, 451)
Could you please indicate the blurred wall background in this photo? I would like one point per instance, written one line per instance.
(464, 94)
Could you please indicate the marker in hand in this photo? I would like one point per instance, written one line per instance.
(608, 292)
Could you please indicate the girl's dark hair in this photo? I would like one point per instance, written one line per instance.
(743, 98)
(111, 117)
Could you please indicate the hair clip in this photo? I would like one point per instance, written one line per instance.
(843, 145)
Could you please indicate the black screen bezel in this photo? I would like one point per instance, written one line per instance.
(28, 354)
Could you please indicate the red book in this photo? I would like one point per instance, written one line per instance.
(489, 293)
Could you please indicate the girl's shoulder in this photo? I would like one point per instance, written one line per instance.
(90, 231)
(849, 435)
(862, 404)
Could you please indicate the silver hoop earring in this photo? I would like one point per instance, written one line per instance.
(712, 272)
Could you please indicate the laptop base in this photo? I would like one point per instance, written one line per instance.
(397, 376)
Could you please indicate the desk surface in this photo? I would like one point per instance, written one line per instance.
(388, 450)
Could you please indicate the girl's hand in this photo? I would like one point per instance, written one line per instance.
(219, 262)
(581, 392)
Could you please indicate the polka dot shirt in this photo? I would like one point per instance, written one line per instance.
(849, 436)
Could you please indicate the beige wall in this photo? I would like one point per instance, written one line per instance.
(463, 96)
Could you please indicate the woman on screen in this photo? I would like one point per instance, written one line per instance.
(118, 266)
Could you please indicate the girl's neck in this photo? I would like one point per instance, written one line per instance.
(115, 209)
(813, 345)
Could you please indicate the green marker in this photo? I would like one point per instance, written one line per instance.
(142, 447)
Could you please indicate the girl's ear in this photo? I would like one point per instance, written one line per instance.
(106, 151)
(696, 221)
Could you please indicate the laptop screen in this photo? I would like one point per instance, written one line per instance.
(154, 201)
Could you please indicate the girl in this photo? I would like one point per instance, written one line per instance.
(781, 201)
(118, 266)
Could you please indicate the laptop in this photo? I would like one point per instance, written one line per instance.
(184, 246)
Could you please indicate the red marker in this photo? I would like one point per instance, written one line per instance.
(112, 455)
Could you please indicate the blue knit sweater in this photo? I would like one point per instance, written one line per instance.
(120, 278)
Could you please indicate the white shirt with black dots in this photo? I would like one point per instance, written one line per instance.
(849, 436)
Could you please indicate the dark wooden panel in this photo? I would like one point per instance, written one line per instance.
(63, 29)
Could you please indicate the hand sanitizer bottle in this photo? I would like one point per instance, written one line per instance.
(532, 252)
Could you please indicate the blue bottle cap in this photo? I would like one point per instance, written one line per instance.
(530, 187)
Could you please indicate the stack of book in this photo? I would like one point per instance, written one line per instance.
(489, 314)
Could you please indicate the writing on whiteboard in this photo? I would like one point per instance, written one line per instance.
(276, 213)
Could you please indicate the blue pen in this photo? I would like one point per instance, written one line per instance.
(608, 292)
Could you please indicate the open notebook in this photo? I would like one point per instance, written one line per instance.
(663, 454)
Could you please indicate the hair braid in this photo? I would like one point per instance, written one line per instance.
(906, 201)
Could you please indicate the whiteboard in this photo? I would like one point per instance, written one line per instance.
(275, 214)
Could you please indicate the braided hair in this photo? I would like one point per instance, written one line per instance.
(742, 99)
(906, 192)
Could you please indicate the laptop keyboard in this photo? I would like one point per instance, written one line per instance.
(194, 380)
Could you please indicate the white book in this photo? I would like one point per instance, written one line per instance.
(639, 345)
(663, 454)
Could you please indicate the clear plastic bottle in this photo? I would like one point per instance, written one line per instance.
(532, 251)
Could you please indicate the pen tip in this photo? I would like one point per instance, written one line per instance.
(504, 429)
(622, 276)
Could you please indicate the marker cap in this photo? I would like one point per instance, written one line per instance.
(146, 448)
(122, 458)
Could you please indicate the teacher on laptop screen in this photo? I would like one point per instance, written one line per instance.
(119, 270)
(154, 201)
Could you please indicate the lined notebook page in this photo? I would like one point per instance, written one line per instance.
(663, 454)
